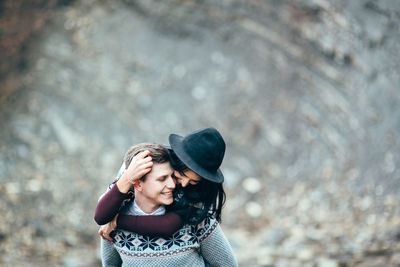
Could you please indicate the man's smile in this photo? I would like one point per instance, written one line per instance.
(168, 193)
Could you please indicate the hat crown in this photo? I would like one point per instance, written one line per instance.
(206, 147)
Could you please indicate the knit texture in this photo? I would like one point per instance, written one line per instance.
(109, 255)
(190, 246)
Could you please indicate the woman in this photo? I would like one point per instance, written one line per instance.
(196, 159)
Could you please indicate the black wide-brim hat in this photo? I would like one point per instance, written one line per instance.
(202, 151)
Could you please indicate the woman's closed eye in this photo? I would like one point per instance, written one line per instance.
(194, 182)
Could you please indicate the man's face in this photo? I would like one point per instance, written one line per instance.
(188, 177)
(158, 185)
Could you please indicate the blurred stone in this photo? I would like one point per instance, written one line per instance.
(13, 188)
(366, 203)
(2, 237)
(253, 209)
(68, 138)
(33, 185)
(217, 57)
(389, 164)
(316, 235)
(304, 205)
(179, 71)
(395, 259)
(275, 236)
(305, 254)
(40, 227)
(274, 169)
(199, 93)
(251, 185)
(373, 262)
(232, 178)
(371, 219)
(326, 262)
(290, 262)
(265, 261)
(275, 137)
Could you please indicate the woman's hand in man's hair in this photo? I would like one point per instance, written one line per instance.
(140, 165)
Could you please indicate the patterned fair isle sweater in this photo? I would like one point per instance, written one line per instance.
(189, 246)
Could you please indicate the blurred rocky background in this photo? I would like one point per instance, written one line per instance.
(305, 92)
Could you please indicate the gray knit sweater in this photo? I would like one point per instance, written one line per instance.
(189, 246)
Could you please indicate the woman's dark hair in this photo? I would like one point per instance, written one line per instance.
(213, 196)
(210, 195)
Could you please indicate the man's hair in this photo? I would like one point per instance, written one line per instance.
(158, 153)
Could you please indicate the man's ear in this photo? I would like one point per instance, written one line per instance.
(138, 185)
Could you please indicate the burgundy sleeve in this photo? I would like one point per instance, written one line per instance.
(151, 225)
(108, 206)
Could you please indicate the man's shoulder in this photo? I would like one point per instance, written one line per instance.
(209, 221)
(205, 227)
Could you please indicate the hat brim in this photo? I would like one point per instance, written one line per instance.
(176, 142)
(166, 147)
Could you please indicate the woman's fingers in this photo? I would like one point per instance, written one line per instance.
(147, 165)
(144, 161)
(140, 174)
(147, 170)
(142, 155)
(140, 165)
(105, 233)
(108, 237)
(140, 159)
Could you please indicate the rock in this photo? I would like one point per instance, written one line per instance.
(326, 262)
(251, 185)
(13, 188)
(305, 254)
(67, 136)
(265, 261)
(253, 209)
(33, 185)
(3, 236)
(275, 236)
(395, 259)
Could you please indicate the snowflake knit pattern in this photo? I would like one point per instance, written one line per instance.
(189, 246)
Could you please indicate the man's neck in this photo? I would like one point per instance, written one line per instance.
(144, 204)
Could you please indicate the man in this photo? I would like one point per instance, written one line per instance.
(148, 164)
(190, 246)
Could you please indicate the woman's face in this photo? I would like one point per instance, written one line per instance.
(188, 177)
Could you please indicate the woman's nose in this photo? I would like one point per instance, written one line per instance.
(171, 183)
(184, 182)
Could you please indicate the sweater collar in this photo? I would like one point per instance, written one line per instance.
(138, 211)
